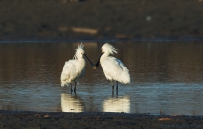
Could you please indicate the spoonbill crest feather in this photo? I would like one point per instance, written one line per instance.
(107, 48)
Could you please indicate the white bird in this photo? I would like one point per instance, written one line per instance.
(74, 69)
(113, 68)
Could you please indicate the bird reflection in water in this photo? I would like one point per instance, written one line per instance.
(118, 104)
(71, 103)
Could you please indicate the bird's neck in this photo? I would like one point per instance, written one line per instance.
(104, 56)
(82, 63)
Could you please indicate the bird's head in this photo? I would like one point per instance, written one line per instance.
(109, 49)
(79, 52)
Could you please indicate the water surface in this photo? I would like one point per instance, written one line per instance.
(166, 76)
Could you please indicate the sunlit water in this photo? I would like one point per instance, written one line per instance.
(166, 77)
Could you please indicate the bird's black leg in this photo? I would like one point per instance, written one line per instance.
(112, 85)
(71, 88)
(112, 88)
(117, 88)
(75, 87)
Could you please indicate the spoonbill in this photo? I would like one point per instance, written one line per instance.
(74, 69)
(113, 68)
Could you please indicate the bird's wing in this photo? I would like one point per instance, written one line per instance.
(69, 71)
(114, 69)
(119, 63)
(110, 67)
(113, 63)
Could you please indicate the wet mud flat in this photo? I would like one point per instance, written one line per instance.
(89, 120)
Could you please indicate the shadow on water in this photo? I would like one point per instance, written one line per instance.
(166, 76)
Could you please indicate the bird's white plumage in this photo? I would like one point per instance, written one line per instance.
(74, 69)
(114, 69)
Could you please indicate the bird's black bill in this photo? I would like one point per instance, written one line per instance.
(89, 61)
(98, 62)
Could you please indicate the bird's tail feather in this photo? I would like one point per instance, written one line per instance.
(64, 83)
(125, 76)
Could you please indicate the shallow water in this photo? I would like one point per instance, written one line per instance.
(166, 77)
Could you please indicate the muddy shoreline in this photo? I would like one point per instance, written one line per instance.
(42, 120)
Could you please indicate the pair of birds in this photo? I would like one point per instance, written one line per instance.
(113, 68)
